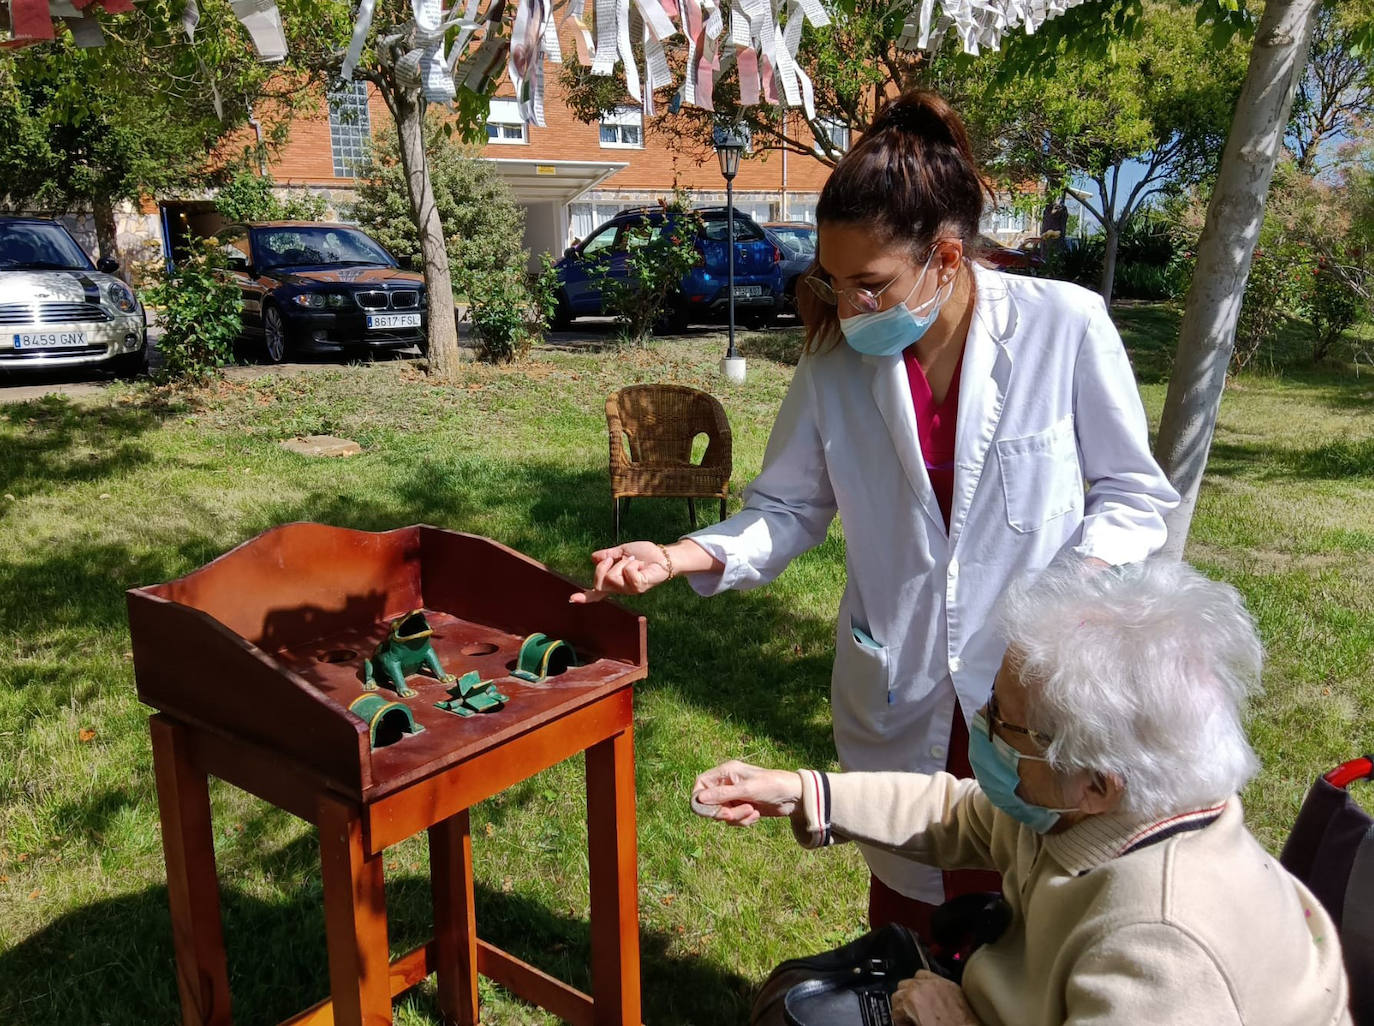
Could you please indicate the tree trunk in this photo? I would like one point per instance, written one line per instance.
(444, 354)
(1112, 239)
(107, 231)
(1224, 251)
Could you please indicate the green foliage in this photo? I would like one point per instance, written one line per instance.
(483, 225)
(510, 311)
(134, 116)
(660, 250)
(247, 196)
(199, 310)
(1280, 272)
(1333, 307)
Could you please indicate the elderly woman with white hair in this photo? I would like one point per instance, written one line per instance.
(1107, 761)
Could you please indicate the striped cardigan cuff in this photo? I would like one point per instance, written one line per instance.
(812, 826)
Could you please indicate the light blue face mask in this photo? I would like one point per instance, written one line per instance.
(995, 764)
(888, 332)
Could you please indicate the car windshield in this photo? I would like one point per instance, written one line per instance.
(802, 241)
(716, 229)
(318, 246)
(40, 247)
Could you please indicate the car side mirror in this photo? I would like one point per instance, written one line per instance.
(107, 265)
(570, 252)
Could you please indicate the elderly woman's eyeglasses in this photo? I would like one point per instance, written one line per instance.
(995, 721)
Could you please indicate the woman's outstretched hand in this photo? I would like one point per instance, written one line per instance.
(740, 794)
(629, 569)
(635, 567)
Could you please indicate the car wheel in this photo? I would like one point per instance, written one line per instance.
(129, 365)
(273, 334)
(562, 313)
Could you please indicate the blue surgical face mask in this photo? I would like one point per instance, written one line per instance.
(888, 332)
(995, 764)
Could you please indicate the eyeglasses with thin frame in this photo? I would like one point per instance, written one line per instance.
(995, 721)
(861, 299)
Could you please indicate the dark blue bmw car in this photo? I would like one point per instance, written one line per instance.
(703, 295)
(323, 288)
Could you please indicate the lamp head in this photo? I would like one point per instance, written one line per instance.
(729, 142)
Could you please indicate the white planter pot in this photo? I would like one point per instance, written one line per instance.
(732, 369)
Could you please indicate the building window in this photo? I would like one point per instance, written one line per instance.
(1002, 220)
(835, 132)
(585, 218)
(623, 127)
(504, 123)
(350, 127)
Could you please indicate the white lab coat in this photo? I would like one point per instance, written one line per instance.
(1047, 401)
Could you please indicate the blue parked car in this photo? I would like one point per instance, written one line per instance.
(703, 295)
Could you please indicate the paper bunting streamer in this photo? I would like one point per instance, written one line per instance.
(263, 22)
(760, 38)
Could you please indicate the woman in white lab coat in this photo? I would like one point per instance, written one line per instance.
(952, 416)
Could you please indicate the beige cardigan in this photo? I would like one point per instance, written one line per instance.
(1118, 921)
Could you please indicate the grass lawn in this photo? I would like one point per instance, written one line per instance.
(136, 488)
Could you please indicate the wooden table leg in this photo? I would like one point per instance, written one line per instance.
(183, 797)
(354, 919)
(455, 919)
(611, 853)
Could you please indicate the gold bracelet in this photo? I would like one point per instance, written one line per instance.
(668, 560)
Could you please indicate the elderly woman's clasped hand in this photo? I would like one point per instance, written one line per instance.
(739, 794)
(930, 1000)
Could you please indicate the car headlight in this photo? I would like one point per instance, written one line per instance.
(121, 296)
(322, 300)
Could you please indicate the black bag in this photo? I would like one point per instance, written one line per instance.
(853, 984)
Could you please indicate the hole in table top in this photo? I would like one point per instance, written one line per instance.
(478, 648)
(338, 655)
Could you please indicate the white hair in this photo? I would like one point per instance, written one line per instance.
(1142, 672)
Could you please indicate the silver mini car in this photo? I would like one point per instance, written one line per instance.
(58, 310)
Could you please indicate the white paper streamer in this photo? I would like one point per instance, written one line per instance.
(759, 37)
(263, 22)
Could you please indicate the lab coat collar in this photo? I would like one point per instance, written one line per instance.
(982, 389)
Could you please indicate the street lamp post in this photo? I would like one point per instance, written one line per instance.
(730, 143)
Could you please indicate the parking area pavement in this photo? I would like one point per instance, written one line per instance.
(15, 387)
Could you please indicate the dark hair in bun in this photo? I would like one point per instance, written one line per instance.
(911, 177)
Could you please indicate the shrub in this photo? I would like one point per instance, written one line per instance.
(483, 225)
(251, 197)
(509, 311)
(660, 250)
(198, 307)
(1333, 306)
(1080, 263)
(1279, 275)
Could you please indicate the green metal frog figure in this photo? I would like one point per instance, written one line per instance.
(404, 651)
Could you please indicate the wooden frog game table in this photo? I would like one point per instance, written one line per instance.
(251, 663)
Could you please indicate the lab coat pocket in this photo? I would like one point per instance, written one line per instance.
(1041, 476)
(863, 676)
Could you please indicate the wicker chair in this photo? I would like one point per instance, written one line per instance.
(652, 428)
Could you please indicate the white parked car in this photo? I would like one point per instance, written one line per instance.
(58, 310)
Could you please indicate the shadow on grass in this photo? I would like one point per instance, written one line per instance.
(1340, 460)
(53, 441)
(112, 961)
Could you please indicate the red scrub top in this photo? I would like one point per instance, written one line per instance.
(935, 428)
